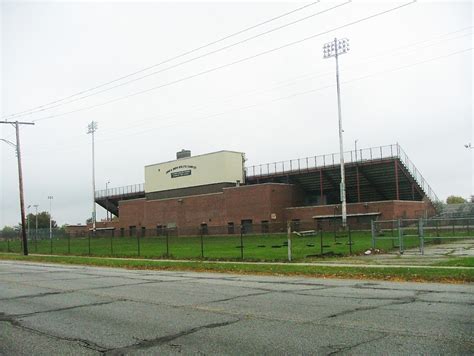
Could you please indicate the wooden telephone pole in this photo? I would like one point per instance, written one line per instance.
(17, 124)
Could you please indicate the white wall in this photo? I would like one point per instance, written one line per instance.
(211, 168)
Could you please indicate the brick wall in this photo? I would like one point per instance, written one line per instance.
(251, 202)
(391, 209)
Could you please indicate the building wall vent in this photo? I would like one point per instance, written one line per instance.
(183, 154)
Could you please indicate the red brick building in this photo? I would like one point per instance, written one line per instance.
(381, 183)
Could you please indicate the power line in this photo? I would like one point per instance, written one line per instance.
(245, 59)
(294, 95)
(193, 59)
(307, 91)
(166, 60)
(306, 76)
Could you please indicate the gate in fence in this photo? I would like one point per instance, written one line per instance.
(411, 233)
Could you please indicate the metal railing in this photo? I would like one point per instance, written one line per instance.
(308, 163)
(329, 160)
(120, 191)
(415, 173)
(321, 161)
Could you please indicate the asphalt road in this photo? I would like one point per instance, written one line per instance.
(57, 310)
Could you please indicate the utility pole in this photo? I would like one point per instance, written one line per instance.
(334, 49)
(16, 125)
(91, 129)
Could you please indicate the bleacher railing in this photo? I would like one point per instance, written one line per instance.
(120, 191)
(378, 153)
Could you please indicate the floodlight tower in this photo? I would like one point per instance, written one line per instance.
(334, 49)
(36, 222)
(91, 129)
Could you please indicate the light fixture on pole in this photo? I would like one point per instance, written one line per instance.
(50, 198)
(468, 146)
(107, 201)
(355, 146)
(334, 49)
(91, 129)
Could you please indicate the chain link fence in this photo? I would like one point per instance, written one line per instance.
(416, 233)
(266, 241)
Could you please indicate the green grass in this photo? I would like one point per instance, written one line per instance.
(271, 247)
(458, 262)
(378, 273)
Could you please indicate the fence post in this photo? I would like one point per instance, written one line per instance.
(202, 243)
(350, 239)
(421, 233)
(372, 229)
(139, 231)
(90, 233)
(241, 242)
(437, 227)
(288, 230)
(69, 244)
(36, 243)
(112, 244)
(8, 244)
(321, 233)
(51, 245)
(400, 237)
(167, 244)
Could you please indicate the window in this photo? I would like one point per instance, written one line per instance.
(143, 231)
(230, 228)
(132, 230)
(265, 227)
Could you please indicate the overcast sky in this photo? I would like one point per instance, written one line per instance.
(407, 79)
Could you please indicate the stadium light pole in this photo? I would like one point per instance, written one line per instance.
(334, 49)
(91, 129)
(36, 222)
(355, 147)
(469, 146)
(50, 198)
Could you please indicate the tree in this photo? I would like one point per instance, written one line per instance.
(453, 199)
(9, 232)
(43, 220)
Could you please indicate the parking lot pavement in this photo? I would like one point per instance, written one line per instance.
(53, 309)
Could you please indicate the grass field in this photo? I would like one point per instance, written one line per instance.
(418, 274)
(272, 247)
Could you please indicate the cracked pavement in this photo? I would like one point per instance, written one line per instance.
(52, 309)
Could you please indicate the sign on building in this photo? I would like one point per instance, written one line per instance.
(211, 168)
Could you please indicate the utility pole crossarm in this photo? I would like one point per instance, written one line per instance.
(17, 122)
